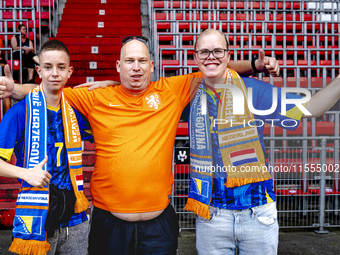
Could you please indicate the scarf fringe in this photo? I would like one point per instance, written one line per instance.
(81, 204)
(236, 182)
(28, 247)
(198, 208)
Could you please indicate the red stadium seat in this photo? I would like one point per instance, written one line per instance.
(158, 4)
(182, 169)
(305, 62)
(190, 63)
(46, 3)
(329, 63)
(27, 3)
(167, 52)
(288, 5)
(190, 47)
(288, 62)
(170, 62)
(16, 65)
(7, 15)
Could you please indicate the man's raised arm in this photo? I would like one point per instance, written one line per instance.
(18, 91)
(324, 99)
(9, 89)
(262, 64)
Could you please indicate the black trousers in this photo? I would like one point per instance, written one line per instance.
(111, 235)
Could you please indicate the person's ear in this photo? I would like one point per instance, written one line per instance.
(70, 71)
(118, 66)
(152, 66)
(38, 69)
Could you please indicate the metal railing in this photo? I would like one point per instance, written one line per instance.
(313, 64)
(317, 31)
(1, 71)
(36, 7)
(11, 52)
(14, 16)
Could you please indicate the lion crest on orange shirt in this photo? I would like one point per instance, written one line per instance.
(153, 101)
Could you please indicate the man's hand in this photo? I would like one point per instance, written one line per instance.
(267, 64)
(97, 84)
(6, 84)
(37, 176)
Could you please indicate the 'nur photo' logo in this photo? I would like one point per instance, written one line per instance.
(238, 100)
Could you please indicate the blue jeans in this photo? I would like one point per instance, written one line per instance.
(254, 231)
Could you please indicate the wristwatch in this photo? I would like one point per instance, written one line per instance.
(253, 65)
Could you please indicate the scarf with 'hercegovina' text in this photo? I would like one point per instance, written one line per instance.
(238, 143)
(33, 203)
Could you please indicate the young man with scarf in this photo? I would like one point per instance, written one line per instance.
(50, 219)
(231, 190)
(134, 126)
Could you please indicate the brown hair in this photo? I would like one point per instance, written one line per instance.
(54, 45)
(210, 30)
(19, 27)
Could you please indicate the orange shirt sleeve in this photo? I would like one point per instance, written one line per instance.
(82, 99)
(181, 86)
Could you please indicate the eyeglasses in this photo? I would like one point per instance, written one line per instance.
(217, 53)
(138, 37)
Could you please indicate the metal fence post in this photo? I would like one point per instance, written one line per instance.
(322, 187)
(336, 159)
(174, 176)
(304, 172)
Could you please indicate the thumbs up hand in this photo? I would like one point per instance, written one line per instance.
(267, 64)
(37, 176)
(6, 84)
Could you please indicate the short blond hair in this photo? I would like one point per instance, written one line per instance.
(209, 31)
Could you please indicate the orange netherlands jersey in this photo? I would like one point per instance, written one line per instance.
(134, 139)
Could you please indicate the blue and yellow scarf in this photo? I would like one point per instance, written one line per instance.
(239, 145)
(33, 203)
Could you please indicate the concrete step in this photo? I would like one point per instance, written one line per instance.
(99, 24)
(95, 11)
(100, 6)
(98, 17)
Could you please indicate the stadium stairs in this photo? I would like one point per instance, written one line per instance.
(92, 31)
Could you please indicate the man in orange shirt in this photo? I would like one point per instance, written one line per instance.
(134, 127)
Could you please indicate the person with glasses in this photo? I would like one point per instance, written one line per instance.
(234, 197)
(134, 127)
